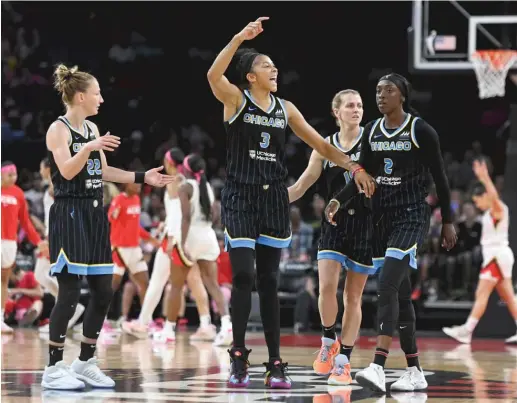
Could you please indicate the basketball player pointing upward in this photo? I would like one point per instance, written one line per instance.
(79, 229)
(255, 203)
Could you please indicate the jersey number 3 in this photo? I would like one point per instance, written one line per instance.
(265, 140)
(94, 167)
(388, 166)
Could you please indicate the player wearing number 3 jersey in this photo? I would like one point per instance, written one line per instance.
(255, 203)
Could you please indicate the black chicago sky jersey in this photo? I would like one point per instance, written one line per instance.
(88, 182)
(255, 143)
(335, 176)
(396, 162)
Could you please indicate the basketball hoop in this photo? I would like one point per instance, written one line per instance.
(491, 68)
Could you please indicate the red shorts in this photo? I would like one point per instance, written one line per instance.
(491, 272)
(177, 255)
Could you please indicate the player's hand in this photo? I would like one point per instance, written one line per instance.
(365, 183)
(155, 242)
(449, 236)
(153, 177)
(252, 29)
(480, 169)
(105, 143)
(43, 247)
(331, 210)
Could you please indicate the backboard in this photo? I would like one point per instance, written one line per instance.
(445, 34)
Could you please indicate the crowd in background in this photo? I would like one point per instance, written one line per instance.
(29, 105)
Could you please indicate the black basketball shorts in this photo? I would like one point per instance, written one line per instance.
(79, 237)
(256, 214)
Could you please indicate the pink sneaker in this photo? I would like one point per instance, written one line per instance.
(136, 329)
(204, 333)
(155, 326)
(106, 327)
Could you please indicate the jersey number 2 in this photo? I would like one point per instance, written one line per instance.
(265, 140)
(388, 166)
(94, 167)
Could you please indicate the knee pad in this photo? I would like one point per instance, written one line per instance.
(387, 313)
(243, 262)
(267, 281)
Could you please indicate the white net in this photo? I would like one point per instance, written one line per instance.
(491, 68)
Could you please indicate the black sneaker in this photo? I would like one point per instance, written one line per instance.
(276, 377)
(239, 364)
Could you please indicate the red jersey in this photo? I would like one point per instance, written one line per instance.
(16, 213)
(124, 216)
(28, 281)
(224, 268)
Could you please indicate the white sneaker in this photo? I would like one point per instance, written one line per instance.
(511, 340)
(89, 372)
(411, 380)
(6, 329)
(204, 333)
(164, 336)
(224, 337)
(79, 309)
(459, 333)
(78, 328)
(44, 329)
(372, 377)
(61, 377)
(136, 329)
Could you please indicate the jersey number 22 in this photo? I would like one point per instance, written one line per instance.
(94, 167)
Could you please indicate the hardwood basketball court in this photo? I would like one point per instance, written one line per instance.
(196, 372)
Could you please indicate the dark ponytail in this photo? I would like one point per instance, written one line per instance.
(244, 59)
(195, 165)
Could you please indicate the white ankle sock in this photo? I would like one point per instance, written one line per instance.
(170, 327)
(204, 320)
(226, 322)
(471, 324)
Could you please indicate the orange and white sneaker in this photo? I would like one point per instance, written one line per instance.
(204, 333)
(325, 360)
(340, 374)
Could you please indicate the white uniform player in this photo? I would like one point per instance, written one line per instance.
(498, 258)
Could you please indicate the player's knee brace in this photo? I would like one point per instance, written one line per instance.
(243, 262)
(407, 325)
(68, 297)
(393, 272)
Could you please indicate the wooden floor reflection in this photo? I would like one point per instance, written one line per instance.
(196, 372)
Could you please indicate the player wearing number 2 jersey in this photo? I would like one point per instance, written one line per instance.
(345, 243)
(400, 150)
(255, 203)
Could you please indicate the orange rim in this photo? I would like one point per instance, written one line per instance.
(497, 58)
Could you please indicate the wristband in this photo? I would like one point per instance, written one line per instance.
(337, 201)
(139, 177)
(358, 169)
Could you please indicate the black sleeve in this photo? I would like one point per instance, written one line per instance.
(365, 160)
(429, 143)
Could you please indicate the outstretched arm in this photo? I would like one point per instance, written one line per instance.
(112, 174)
(481, 171)
(308, 177)
(224, 91)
